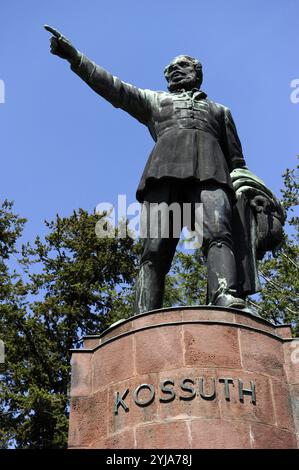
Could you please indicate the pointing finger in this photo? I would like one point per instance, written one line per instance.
(53, 31)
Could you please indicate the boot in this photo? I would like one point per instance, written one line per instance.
(228, 298)
(222, 277)
(149, 288)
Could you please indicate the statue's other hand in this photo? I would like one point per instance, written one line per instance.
(62, 47)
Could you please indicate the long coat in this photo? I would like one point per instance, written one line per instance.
(194, 137)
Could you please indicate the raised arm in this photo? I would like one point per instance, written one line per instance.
(135, 101)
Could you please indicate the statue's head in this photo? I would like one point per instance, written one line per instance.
(183, 72)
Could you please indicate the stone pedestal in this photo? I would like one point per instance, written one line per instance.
(192, 377)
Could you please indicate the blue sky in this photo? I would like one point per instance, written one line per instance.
(63, 147)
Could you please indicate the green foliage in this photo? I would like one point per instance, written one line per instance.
(76, 284)
(11, 289)
(279, 298)
(186, 283)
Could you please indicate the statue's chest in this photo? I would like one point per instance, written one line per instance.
(181, 107)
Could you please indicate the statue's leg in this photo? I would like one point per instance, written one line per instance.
(159, 244)
(218, 248)
(149, 288)
(154, 265)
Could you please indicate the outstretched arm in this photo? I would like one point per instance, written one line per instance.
(135, 101)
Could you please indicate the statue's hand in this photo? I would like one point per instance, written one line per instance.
(62, 47)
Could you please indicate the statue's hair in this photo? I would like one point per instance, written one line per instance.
(195, 62)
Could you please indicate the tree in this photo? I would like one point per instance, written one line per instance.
(186, 282)
(278, 301)
(11, 293)
(75, 284)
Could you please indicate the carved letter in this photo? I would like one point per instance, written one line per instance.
(149, 400)
(250, 391)
(226, 387)
(204, 395)
(187, 389)
(119, 401)
(168, 391)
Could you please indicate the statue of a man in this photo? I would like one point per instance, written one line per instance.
(196, 149)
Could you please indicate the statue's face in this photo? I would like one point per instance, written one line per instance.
(181, 73)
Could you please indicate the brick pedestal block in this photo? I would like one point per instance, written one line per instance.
(192, 377)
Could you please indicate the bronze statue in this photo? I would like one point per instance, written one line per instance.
(197, 158)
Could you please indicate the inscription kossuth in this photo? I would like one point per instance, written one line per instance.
(186, 389)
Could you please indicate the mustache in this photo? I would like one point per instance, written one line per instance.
(178, 74)
(185, 81)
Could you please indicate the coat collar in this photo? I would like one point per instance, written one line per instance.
(195, 93)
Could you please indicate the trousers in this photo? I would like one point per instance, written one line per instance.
(169, 206)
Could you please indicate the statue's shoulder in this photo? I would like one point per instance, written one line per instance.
(154, 97)
(163, 94)
(157, 96)
(219, 106)
(220, 109)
